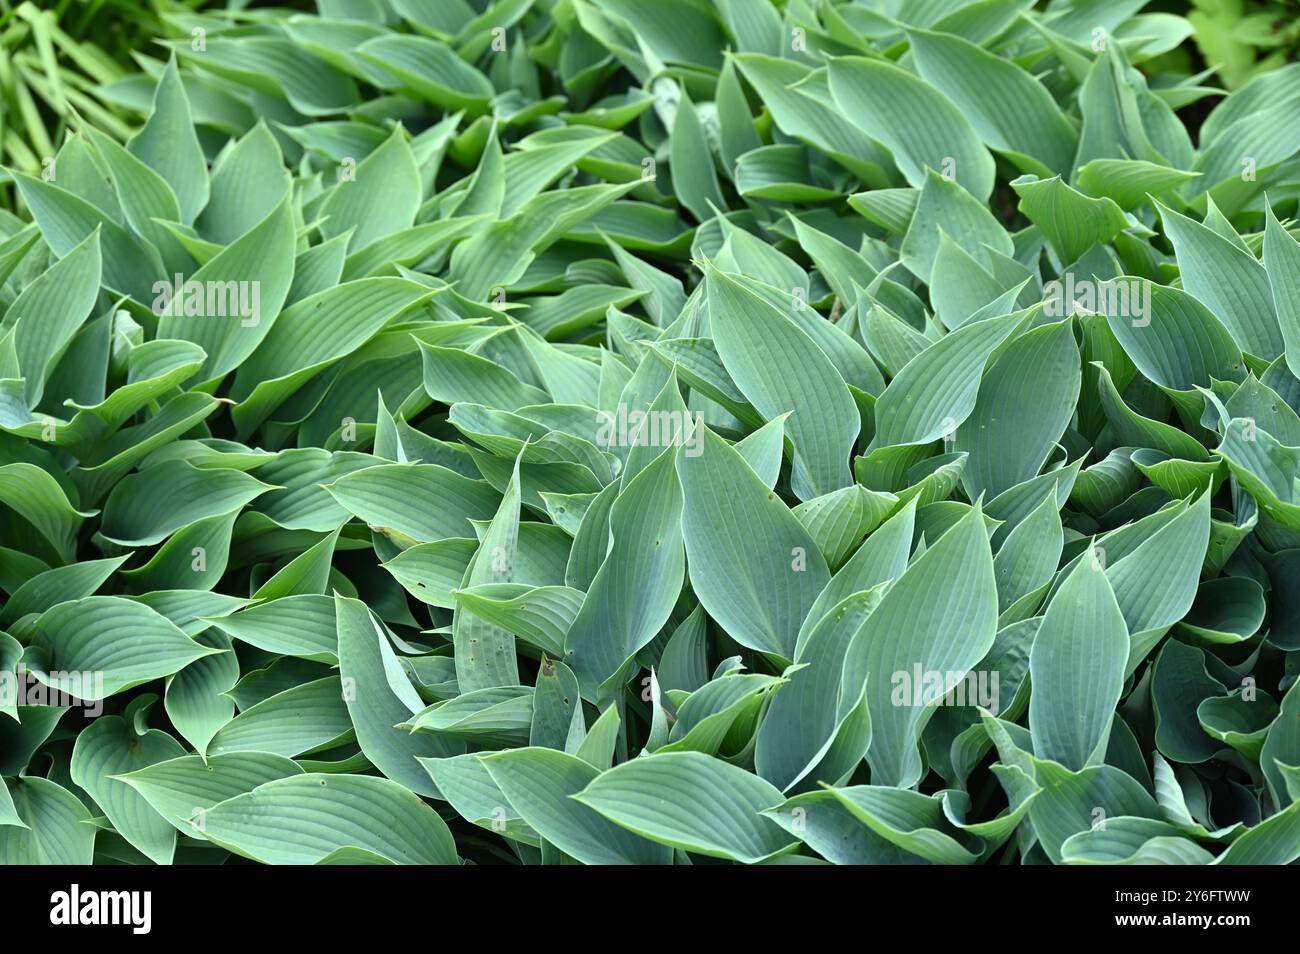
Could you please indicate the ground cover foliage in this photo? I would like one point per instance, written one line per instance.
(599, 431)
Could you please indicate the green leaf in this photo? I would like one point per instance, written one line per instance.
(149, 506)
(378, 697)
(301, 625)
(912, 821)
(1077, 669)
(42, 501)
(1282, 748)
(694, 179)
(1178, 344)
(429, 69)
(110, 747)
(1071, 221)
(1025, 402)
(937, 390)
(379, 495)
(57, 829)
(805, 714)
(248, 183)
(380, 196)
(945, 207)
(640, 577)
(540, 785)
(1229, 280)
(753, 565)
(691, 801)
(1011, 111)
(292, 722)
(301, 819)
(298, 346)
(779, 368)
(66, 220)
(48, 312)
(87, 656)
(182, 789)
(168, 144)
(196, 699)
(914, 638)
(919, 125)
(240, 291)
(485, 652)
(1282, 266)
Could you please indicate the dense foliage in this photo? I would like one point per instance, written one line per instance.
(650, 431)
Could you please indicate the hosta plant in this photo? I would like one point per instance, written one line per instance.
(448, 431)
